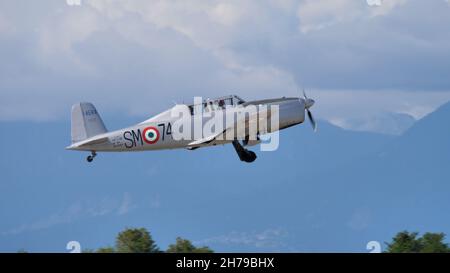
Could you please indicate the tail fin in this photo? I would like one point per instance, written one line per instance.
(86, 122)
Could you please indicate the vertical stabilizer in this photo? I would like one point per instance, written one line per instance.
(86, 122)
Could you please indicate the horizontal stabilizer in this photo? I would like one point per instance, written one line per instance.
(84, 143)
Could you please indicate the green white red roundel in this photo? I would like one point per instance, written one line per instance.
(150, 135)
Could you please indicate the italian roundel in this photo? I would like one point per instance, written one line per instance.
(150, 135)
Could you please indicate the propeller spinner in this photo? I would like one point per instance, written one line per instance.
(308, 104)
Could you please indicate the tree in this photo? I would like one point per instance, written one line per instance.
(185, 246)
(406, 242)
(107, 249)
(434, 243)
(135, 240)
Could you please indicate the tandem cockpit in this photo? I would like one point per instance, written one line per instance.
(207, 105)
(210, 105)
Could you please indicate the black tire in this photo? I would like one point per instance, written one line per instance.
(249, 157)
(252, 156)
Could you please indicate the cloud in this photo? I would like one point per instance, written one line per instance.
(386, 123)
(360, 219)
(136, 57)
(127, 204)
(226, 14)
(385, 7)
(319, 14)
(65, 216)
(269, 238)
(375, 110)
(78, 211)
(5, 26)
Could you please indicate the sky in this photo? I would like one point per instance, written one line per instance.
(370, 68)
(139, 57)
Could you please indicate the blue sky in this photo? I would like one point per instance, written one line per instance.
(370, 68)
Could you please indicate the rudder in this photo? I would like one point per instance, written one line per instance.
(86, 122)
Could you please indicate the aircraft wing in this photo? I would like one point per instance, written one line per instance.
(253, 119)
(204, 141)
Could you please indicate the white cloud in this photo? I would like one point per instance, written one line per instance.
(5, 26)
(319, 14)
(386, 123)
(374, 2)
(366, 103)
(78, 211)
(226, 14)
(65, 216)
(73, 27)
(137, 57)
(271, 237)
(386, 6)
(369, 110)
(127, 204)
(360, 219)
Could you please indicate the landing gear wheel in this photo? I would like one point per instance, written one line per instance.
(244, 154)
(91, 157)
(251, 156)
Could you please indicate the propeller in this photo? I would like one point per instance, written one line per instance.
(308, 104)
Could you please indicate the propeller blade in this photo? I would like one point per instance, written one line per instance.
(311, 119)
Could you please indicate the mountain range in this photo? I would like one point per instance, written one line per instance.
(334, 190)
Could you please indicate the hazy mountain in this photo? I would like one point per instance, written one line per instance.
(386, 123)
(334, 190)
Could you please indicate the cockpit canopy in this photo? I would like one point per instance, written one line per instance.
(210, 105)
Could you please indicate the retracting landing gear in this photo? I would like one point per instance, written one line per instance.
(244, 154)
(91, 157)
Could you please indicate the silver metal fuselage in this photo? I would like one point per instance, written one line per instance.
(291, 112)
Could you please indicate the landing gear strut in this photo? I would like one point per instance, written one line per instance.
(91, 157)
(244, 154)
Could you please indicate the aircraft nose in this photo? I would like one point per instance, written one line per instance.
(309, 103)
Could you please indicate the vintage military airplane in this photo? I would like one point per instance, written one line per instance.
(89, 132)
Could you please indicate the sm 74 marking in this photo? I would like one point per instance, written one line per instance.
(148, 135)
